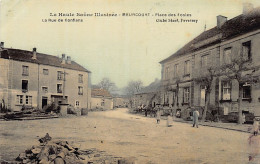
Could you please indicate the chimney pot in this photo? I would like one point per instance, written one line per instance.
(63, 59)
(2, 44)
(221, 20)
(247, 8)
(34, 54)
(68, 59)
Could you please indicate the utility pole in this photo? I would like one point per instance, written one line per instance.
(64, 79)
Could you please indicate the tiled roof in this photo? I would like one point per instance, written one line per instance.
(100, 92)
(239, 25)
(26, 56)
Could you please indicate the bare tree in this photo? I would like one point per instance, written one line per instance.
(243, 71)
(132, 88)
(206, 79)
(107, 84)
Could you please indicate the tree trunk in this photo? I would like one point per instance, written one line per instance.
(207, 97)
(240, 93)
(177, 95)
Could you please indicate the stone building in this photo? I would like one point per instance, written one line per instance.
(215, 47)
(33, 79)
(101, 99)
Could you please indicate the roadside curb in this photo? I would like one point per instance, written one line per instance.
(220, 127)
(214, 126)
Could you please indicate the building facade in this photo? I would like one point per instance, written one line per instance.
(238, 37)
(101, 99)
(33, 79)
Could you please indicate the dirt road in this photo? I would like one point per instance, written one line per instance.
(125, 135)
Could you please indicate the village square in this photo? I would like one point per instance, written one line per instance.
(205, 108)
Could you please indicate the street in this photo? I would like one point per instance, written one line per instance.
(125, 135)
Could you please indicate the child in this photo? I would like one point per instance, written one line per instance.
(158, 116)
(256, 127)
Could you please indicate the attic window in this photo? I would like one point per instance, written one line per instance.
(25, 70)
(246, 49)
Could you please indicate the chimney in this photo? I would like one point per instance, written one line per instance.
(63, 59)
(2, 45)
(221, 20)
(247, 8)
(34, 54)
(68, 60)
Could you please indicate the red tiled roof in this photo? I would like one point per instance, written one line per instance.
(234, 27)
(26, 56)
(100, 92)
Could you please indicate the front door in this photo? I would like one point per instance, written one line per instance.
(44, 101)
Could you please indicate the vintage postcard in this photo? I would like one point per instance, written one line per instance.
(129, 81)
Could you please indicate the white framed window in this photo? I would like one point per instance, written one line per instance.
(25, 70)
(204, 61)
(80, 90)
(80, 80)
(59, 75)
(45, 71)
(187, 67)
(202, 95)
(45, 89)
(19, 99)
(77, 103)
(59, 88)
(176, 70)
(28, 100)
(186, 93)
(167, 72)
(226, 90)
(227, 55)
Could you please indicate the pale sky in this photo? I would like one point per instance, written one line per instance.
(121, 48)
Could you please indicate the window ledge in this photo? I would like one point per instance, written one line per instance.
(185, 103)
(186, 75)
(225, 100)
(247, 99)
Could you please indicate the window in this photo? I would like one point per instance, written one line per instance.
(77, 103)
(246, 91)
(227, 56)
(19, 99)
(25, 70)
(204, 60)
(246, 50)
(80, 78)
(24, 85)
(28, 100)
(187, 67)
(226, 90)
(59, 75)
(45, 89)
(80, 90)
(103, 102)
(59, 88)
(45, 71)
(202, 95)
(176, 70)
(167, 72)
(166, 98)
(186, 93)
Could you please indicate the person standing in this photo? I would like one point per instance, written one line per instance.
(195, 118)
(158, 115)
